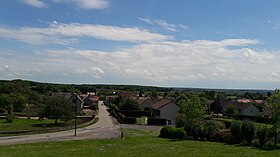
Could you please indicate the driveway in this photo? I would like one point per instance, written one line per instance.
(105, 128)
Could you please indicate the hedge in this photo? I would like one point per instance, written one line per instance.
(135, 113)
(156, 121)
(123, 119)
(172, 133)
(257, 119)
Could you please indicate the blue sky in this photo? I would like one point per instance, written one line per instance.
(181, 43)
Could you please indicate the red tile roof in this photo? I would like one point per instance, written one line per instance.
(141, 100)
(128, 94)
(95, 98)
(161, 103)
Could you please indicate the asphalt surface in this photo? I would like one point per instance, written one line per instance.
(105, 128)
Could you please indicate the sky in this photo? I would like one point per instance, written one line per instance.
(178, 43)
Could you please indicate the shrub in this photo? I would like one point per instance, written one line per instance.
(235, 131)
(10, 118)
(196, 131)
(248, 131)
(263, 134)
(210, 128)
(172, 133)
(222, 136)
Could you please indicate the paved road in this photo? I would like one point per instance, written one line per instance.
(105, 128)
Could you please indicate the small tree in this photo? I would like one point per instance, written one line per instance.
(248, 131)
(273, 108)
(128, 104)
(216, 107)
(263, 134)
(235, 131)
(191, 114)
(230, 111)
(57, 107)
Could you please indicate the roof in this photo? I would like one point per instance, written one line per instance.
(95, 98)
(141, 100)
(236, 104)
(245, 100)
(259, 101)
(161, 103)
(127, 94)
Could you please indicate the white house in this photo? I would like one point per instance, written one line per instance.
(242, 108)
(145, 103)
(166, 109)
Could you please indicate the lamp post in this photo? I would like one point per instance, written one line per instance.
(76, 114)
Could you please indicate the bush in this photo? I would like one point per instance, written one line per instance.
(156, 121)
(172, 133)
(211, 128)
(263, 135)
(235, 131)
(222, 136)
(248, 131)
(10, 118)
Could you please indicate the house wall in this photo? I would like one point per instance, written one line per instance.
(88, 101)
(251, 111)
(79, 104)
(147, 104)
(169, 112)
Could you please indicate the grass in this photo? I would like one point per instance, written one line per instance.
(37, 126)
(136, 143)
(24, 124)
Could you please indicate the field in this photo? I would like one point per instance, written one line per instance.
(136, 143)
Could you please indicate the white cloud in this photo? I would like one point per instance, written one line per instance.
(165, 25)
(87, 4)
(65, 34)
(154, 63)
(34, 3)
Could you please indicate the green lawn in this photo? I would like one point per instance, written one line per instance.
(37, 126)
(24, 124)
(136, 143)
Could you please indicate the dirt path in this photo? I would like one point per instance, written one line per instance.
(105, 128)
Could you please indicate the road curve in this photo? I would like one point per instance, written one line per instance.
(105, 128)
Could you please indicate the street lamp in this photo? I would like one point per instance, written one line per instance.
(76, 100)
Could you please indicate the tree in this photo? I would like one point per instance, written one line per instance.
(191, 114)
(18, 101)
(273, 106)
(216, 107)
(57, 107)
(6, 103)
(230, 111)
(128, 104)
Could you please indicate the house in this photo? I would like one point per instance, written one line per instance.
(130, 95)
(95, 99)
(110, 99)
(88, 102)
(166, 109)
(145, 103)
(241, 108)
(77, 102)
